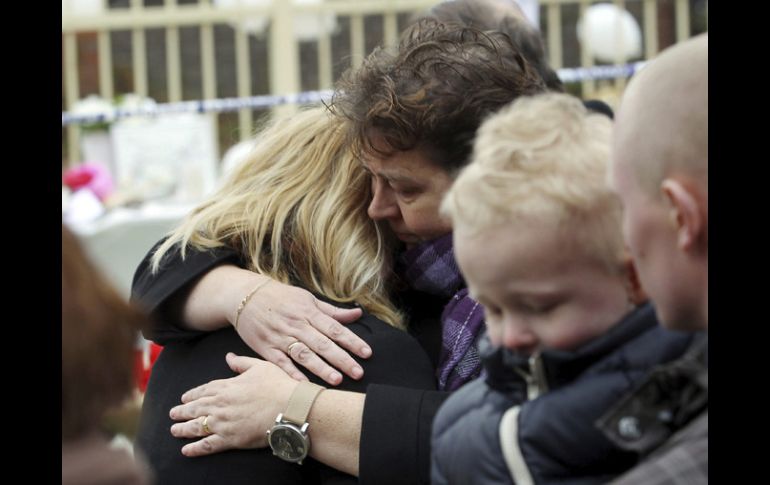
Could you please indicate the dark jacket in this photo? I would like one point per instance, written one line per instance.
(398, 411)
(532, 420)
(665, 420)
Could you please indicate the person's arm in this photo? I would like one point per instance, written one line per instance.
(163, 294)
(240, 412)
(202, 292)
(396, 434)
(242, 408)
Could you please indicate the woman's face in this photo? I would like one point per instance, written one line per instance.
(407, 190)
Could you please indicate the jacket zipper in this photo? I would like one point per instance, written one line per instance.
(535, 378)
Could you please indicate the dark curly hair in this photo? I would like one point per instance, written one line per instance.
(433, 92)
(505, 17)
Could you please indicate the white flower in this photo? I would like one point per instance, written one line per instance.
(133, 102)
(96, 109)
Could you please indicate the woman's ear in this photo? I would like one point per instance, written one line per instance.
(634, 290)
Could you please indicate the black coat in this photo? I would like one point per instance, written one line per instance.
(398, 380)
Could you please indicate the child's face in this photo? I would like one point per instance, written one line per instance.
(537, 292)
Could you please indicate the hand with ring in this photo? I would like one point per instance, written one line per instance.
(233, 413)
(287, 325)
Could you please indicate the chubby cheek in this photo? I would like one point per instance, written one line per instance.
(567, 340)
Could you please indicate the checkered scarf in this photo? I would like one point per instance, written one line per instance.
(431, 267)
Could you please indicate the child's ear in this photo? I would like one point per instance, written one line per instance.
(634, 290)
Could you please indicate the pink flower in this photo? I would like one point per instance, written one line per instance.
(91, 176)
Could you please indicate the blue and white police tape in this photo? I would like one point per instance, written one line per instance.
(199, 106)
(567, 75)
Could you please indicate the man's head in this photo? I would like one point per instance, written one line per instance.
(660, 171)
(537, 232)
(414, 112)
(507, 17)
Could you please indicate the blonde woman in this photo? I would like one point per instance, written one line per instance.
(295, 213)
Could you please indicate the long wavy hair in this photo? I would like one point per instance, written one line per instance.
(295, 209)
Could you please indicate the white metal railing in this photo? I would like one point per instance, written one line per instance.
(283, 63)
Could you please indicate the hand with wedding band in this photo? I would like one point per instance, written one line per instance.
(205, 426)
(287, 325)
(233, 413)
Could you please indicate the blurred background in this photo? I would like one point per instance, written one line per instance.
(159, 97)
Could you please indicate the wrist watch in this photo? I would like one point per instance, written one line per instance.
(288, 437)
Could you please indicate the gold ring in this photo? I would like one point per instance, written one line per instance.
(288, 349)
(206, 426)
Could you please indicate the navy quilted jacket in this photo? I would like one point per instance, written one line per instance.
(531, 420)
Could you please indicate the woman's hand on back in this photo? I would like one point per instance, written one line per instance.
(237, 411)
(287, 325)
(273, 316)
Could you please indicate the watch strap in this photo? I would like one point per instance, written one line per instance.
(301, 401)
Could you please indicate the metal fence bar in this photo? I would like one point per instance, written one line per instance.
(71, 92)
(554, 35)
(324, 46)
(650, 13)
(139, 54)
(243, 80)
(356, 40)
(586, 59)
(104, 53)
(208, 67)
(195, 14)
(173, 59)
(284, 55)
(620, 42)
(682, 20)
(390, 28)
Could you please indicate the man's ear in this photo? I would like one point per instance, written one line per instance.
(689, 214)
(634, 290)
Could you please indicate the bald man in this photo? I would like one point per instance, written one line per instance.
(660, 171)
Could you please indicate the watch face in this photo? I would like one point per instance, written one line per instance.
(288, 442)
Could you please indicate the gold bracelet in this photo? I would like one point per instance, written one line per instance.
(245, 300)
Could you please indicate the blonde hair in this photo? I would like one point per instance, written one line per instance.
(543, 158)
(295, 209)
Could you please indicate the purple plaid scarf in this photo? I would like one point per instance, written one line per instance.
(431, 267)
